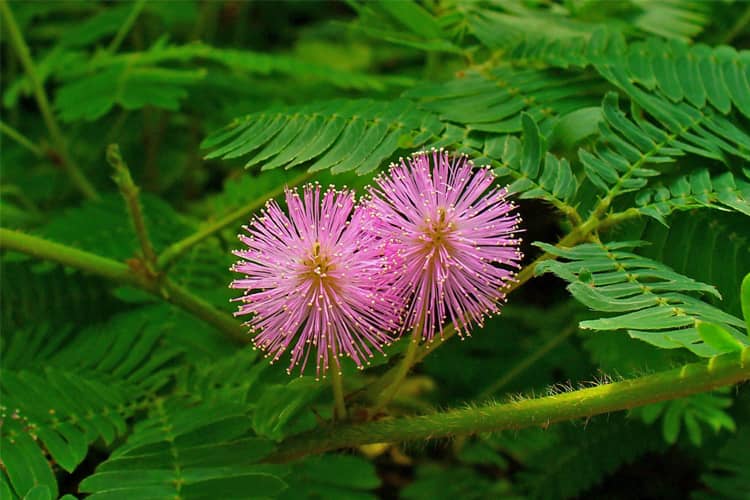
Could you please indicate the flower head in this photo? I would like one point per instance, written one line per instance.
(451, 237)
(313, 281)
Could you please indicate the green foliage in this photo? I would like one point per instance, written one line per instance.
(74, 390)
(649, 297)
(621, 128)
(493, 101)
(104, 226)
(340, 135)
(695, 190)
(720, 249)
(689, 413)
(191, 453)
(552, 181)
(433, 481)
(582, 457)
(728, 477)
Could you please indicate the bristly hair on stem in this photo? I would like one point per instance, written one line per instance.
(129, 192)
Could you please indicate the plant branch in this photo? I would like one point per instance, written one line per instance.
(690, 379)
(122, 273)
(129, 192)
(21, 139)
(126, 26)
(401, 371)
(738, 27)
(176, 249)
(22, 50)
(337, 384)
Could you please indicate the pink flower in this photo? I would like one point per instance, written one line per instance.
(450, 237)
(314, 280)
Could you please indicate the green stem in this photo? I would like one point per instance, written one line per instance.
(21, 139)
(184, 299)
(126, 26)
(737, 28)
(22, 50)
(69, 256)
(401, 371)
(690, 379)
(527, 362)
(337, 384)
(180, 247)
(121, 273)
(129, 192)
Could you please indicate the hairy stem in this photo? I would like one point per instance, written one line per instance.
(129, 192)
(122, 273)
(22, 50)
(180, 247)
(690, 379)
(21, 139)
(126, 26)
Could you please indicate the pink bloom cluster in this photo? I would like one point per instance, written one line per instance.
(433, 243)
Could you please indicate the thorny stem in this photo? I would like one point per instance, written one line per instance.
(180, 247)
(337, 384)
(719, 371)
(22, 50)
(126, 26)
(21, 139)
(122, 273)
(129, 192)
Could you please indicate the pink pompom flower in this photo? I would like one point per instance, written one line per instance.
(451, 237)
(314, 281)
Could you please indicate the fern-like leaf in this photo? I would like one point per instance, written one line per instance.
(623, 159)
(190, 453)
(651, 300)
(697, 74)
(729, 477)
(493, 101)
(695, 190)
(583, 456)
(552, 180)
(689, 413)
(340, 135)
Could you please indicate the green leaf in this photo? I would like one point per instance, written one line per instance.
(553, 182)
(695, 190)
(492, 101)
(718, 337)
(332, 476)
(352, 135)
(583, 456)
(412, 16)
(707, 409)
(191, 451)
(652, 302)
(728, 476)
